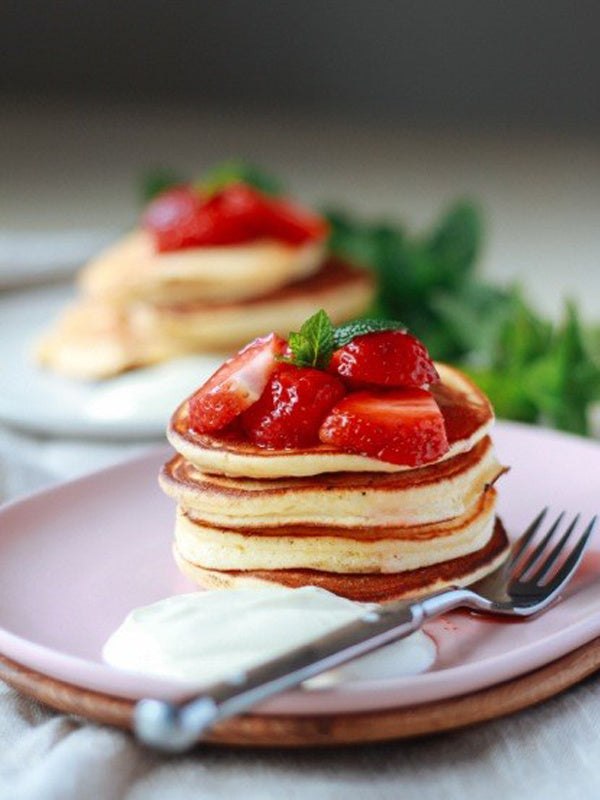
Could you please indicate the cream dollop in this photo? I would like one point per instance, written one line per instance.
(204, 637)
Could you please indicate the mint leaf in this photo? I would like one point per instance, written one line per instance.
(565, 379)
(313, 345)
(413, 271)
(229, 172)
(455, 243)
(525, 336)
(473, 318)
(345, 333)
(156, 181)
(531, 370)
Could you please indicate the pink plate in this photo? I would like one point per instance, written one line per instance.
(75, 559)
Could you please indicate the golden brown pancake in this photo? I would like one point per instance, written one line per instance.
(342, 499)
(131, 269)
(468, 416)
(368, 550)
(377, 588)
(96, 339)
(358, 526)
(343, 291)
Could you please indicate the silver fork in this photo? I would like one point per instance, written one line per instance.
(526, 584)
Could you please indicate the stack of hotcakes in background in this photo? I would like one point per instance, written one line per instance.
(360, 527)
(138, 306)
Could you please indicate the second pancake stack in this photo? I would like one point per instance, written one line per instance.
(201, 274)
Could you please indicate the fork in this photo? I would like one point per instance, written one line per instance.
(527, 583)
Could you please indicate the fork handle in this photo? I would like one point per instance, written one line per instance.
(176, 728)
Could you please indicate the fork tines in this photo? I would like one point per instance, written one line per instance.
(544, 558)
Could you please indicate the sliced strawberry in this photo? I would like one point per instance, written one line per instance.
(172, 218)
(384, 358)
(292, 407)
(402, 426)
(290, 223)
(184, 217)
(236, 213)
(236, 385)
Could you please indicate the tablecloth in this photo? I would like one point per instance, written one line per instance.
(551, 751)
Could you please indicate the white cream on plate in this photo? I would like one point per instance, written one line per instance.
(204, 637)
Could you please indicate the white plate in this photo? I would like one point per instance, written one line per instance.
(30, 256)
(135, 405)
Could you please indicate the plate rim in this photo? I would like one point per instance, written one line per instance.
(57, 296)
(258, 730)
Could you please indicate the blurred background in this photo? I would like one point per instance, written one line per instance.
(391, 111)
(384, 108)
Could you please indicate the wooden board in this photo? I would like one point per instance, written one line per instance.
(257, 730)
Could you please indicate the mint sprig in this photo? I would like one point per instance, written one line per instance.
(238, 171)
(157, 180)
(532, 370)
(414, 270)
(313, 345)
(344, 334)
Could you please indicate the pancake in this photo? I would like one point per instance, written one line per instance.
(94, 339)
(131, 269)
(377, 588)
(367, 550)
(343, 291)
(345, 500)
(468, 417)
(360, 527)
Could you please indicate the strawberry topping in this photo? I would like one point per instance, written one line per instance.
(401, 426)
(292, 407)
(236, 385)
(172, 218)
(384, 358)
(285, 395)
(185, 217)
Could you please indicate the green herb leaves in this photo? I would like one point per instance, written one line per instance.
(314, 344)
(414, 271)
(345, 333)
(240, 172)
(156, 181)
(531, 369)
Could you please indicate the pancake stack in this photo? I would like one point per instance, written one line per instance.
(138, 306)
(360, 527)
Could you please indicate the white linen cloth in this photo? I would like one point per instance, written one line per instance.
(550, 752)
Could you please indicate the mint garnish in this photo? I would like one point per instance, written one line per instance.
(345, 333)
(158, 180)
(314, 344)
(230, 172)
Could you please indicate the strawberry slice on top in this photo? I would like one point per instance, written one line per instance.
(292, 407)
(237, 213)
(401, 426)
(384, 358)
(173, 218)
(236, 385)
(285, 395)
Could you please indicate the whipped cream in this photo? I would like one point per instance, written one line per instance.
(205, 637)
